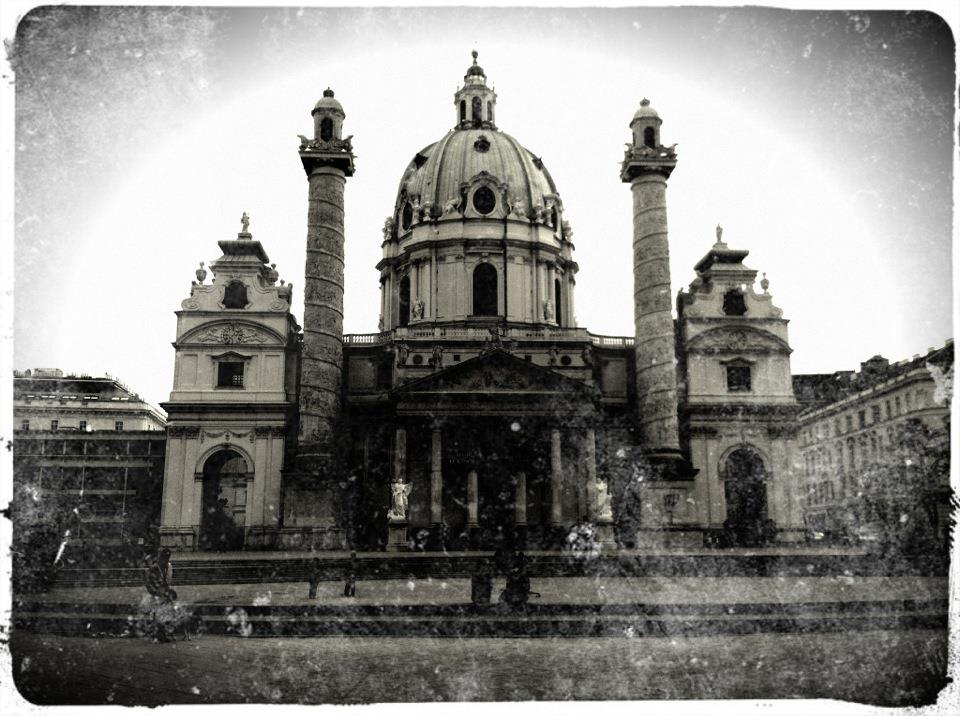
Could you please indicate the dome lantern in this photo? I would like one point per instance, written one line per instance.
(475, 102)
(646, 126)
(328, 116)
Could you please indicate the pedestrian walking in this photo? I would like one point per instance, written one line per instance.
(350, 584)
(313, 577)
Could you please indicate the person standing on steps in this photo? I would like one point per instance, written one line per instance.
(350, 584)
(313, 577)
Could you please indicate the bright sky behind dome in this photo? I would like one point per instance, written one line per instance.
(821, 141)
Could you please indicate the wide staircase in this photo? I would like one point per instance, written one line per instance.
(423, 594)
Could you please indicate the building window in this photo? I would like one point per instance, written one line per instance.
(326, 129)
(54, 424)
(557, 296)
(403, 317)
(485, 290)
(849, 423)
(889, 412)
(649, 137)
(25, 426)
(477, 109)
(862, 418)
(230, 374)
(733, 303)
(875, 413)
(908, 400)
(83, 425)
(738, 378)
(484, 200)
(463, 110)
(406, 216)
(489, 111)
(896, 402)
(235, 295)
(118, 426)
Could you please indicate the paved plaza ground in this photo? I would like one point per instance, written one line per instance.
(894, 668)
(890, 666)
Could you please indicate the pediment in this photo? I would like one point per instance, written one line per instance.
(493, 373)
(232, 333)
(737, 339)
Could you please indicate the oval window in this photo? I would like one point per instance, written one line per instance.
(484, 200)
(406, 216)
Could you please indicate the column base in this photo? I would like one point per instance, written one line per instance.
(399, 536)
(179, 539)
(260, 538)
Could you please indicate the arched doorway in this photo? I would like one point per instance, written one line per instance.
(745, 490)
(224, 501)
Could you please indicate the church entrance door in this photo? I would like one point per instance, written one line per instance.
(745, 489)
(224, 502)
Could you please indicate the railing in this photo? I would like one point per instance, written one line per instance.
(483, 333)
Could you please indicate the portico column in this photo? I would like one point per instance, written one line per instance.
(472, 498)
(590, 459)
(436, 478)
(556, 469)
(520, 503)
(400, 457)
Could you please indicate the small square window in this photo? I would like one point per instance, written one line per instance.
(862, 418)
(456, 357)
(54, 424)
(83, 425)
(25, 426)
(118, 426)
(738, 378)
(230, 374)
(849, 423)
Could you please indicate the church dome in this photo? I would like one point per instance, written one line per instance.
(438, 173)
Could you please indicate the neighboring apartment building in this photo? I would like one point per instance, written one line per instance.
(88, 458)
(875, 448)
(48, 400)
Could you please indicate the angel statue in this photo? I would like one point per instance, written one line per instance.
(604, 508)
(399, 492)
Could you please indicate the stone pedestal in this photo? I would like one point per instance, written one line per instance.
(399, 536)
(182, 539)
(605, 534)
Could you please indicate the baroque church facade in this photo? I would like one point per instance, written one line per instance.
(479, 414)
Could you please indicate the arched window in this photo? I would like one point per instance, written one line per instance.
(477, 110)
(406, 216)
(649, 137)
(556, 301)
(733, 303)
(489, 111)
(235, 295)
(404, 317)
(485, 290)
(463, 110)
(326, 129)
(554, 218)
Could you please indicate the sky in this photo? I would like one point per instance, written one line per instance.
(822, 142)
